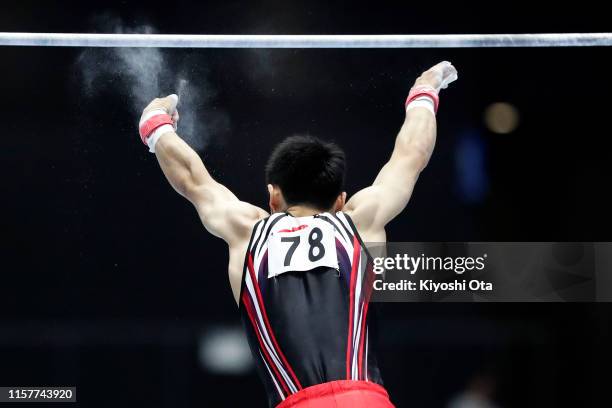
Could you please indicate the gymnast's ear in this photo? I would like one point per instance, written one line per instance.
(276, 202)
(340, 201)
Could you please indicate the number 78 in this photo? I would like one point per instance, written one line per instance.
(314, 241)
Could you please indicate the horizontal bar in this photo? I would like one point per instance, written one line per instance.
(306, 41)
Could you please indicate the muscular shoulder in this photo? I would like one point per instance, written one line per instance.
(231, 220)
(241, 217)
(364, 208)
(364, 224)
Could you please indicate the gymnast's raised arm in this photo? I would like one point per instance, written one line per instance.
(373, 207)
(221, 212)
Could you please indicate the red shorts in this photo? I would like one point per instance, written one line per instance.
(340, 394)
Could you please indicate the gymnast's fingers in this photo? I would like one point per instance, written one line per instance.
(175, 119)
(167, 104)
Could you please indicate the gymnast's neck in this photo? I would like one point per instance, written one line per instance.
(305, 210)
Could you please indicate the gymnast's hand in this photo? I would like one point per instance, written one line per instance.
(159, 117)
(438, 76)
(167, 104)
(424, 93)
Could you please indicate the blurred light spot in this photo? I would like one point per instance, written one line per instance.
(224, 350)
(470, 162)
(501, 118)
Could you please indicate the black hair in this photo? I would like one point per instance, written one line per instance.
(308, 171)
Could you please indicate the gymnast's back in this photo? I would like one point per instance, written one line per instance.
(304, 304)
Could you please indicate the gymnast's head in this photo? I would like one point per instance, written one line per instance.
(304, 171)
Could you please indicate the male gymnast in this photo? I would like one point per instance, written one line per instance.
(297, 272)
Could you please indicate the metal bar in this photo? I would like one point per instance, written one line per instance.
(306, 41)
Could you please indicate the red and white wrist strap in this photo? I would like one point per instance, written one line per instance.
(423, 97)
(152, 125)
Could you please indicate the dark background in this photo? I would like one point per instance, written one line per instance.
(110, 283)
